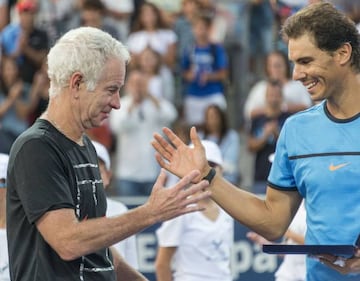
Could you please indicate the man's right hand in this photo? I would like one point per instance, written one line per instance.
(167, 203)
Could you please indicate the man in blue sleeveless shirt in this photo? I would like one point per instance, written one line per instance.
(318, 150)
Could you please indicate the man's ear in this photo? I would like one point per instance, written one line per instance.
(75, 81)
(343, 54)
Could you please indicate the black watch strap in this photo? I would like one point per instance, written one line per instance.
(210, 176)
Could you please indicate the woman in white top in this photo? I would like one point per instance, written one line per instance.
(158, 85)
(150, 30)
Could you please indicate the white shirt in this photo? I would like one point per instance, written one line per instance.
(127, 247)
(4, 259)
(293, 93)
(158, 40)
(203, 246)
(135, 157)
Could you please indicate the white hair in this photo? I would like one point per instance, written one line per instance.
(84, 49)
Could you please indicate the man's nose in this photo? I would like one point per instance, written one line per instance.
(298, 72)
(115, 101)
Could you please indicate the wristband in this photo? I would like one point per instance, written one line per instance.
(210, 176)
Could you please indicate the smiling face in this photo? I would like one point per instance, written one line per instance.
(319, 71)
(94, 107)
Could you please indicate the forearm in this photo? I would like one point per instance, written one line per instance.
(72, 239)
(256, 144)
(269, 217)
(220, 75)
(163, 263)
(163, 274)
(297, 238)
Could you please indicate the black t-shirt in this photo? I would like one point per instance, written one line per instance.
(47, 171)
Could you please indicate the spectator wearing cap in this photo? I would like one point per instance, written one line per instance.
(4, 260)
(197, 246)
(25, 42)
(127, 247)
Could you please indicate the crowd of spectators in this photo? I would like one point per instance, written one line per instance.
(201, 62)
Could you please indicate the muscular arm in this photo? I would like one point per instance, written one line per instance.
(269, 217)
(72, 239)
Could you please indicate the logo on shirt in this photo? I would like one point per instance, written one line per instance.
(333, 167)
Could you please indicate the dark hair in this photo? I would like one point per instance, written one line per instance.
(204, 17)
(160, 22)
(329, 28)
(284, 58)
(96, 5)
(223, 121)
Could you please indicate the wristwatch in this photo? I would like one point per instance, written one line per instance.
(210, 176)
